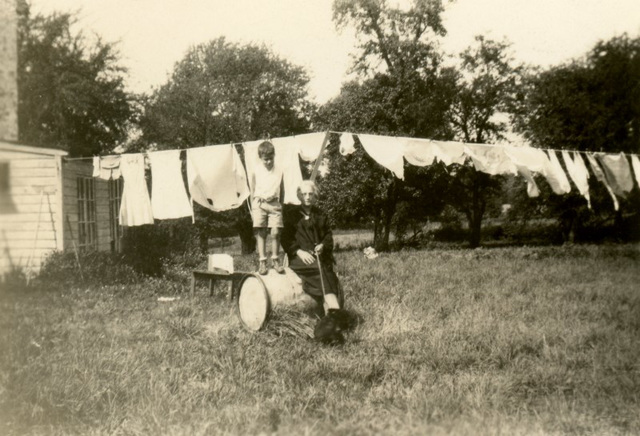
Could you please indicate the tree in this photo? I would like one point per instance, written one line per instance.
(591, 103)
(222, 92)
(403, 90)
(487, 82)
(71, 90)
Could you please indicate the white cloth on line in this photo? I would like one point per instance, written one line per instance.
(578, 173)
(347, 144)
(635, 163)
(286, 158)
(169, 199)
(449, 152)
(616, 169)
(216, 177)
(309, 145)
(490, 159)
(555, 175)
(135, 206)
(419, 152)
(106, 167)
(597, 171)
(388, 151)
(528, 160)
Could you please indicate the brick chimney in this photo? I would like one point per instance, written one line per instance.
(8, 71)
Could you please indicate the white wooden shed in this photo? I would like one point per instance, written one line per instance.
(50, 203)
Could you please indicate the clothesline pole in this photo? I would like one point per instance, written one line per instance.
(314, 173)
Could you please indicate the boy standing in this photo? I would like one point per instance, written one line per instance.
(266, 208)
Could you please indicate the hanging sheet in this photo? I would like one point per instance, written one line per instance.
(308, 145)
(216, 177)
(597, 171)
(347, 144)
(555, 175)
(635, 163)
(388, 151)
(419, 152)
(490, 159)
(169, 198)
(616, 169)
(578, 173)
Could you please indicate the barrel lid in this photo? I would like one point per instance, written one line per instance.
(253, 303)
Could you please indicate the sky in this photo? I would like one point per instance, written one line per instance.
(152, 35)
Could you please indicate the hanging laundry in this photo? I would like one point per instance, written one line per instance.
(449, 152)
(597, 171)
(555, 175)
(419, 152)
(616, 169)
(578, 173)
(308, 145)
(169, 198)
(135, 207)
(528, 160)
(635, 162)
(216, 177)
(490, 159)
(106, 167)
(387, 151)
(347, 144)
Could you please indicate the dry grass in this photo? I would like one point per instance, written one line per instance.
(501, 341)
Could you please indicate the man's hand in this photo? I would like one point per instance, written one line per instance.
(318, 249)
(306, 257)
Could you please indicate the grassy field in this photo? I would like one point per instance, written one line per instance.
(492, 341)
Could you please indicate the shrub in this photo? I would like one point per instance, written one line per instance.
(97, 268)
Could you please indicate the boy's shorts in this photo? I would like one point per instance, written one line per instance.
(266, 213)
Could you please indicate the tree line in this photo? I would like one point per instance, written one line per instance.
(72, 95)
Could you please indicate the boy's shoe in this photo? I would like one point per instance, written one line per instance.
(262, 268)
(276, 265)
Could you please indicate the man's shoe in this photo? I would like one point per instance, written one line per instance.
(276, 265)
(262, 268)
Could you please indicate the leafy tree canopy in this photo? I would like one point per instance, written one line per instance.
(71, 89)
(222, 92)
(589, 104)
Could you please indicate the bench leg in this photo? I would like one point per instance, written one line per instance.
(211, 287)
(193, 284)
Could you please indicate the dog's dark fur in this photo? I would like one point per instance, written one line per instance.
(329, 328)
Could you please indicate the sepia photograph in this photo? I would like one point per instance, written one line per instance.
(319, 217)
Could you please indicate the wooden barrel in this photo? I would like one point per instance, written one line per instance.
(259, 295)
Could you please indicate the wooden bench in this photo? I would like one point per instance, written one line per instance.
(216, 274)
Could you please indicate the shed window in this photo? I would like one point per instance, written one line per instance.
(115, 196)
(87, 229)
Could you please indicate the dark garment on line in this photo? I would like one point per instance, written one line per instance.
(300, 233)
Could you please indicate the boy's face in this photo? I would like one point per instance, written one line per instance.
(267, 160)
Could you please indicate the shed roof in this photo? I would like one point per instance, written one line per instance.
(8, 146)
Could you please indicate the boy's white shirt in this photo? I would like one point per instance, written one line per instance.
(267, 183)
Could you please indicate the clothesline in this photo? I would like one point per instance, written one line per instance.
(357, 134)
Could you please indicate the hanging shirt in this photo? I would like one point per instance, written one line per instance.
(578, 173)
(597, 171)
(420, 152)
(135, 207)
(216, 177)
(635, 163)
(388, 151)
(287, 158)
(490, 159)
(106, 167)
(347, 144)
(617, 171)
(169, 198)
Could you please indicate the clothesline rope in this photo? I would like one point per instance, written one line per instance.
(68, 159)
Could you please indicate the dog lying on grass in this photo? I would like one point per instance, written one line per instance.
(329, 329)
